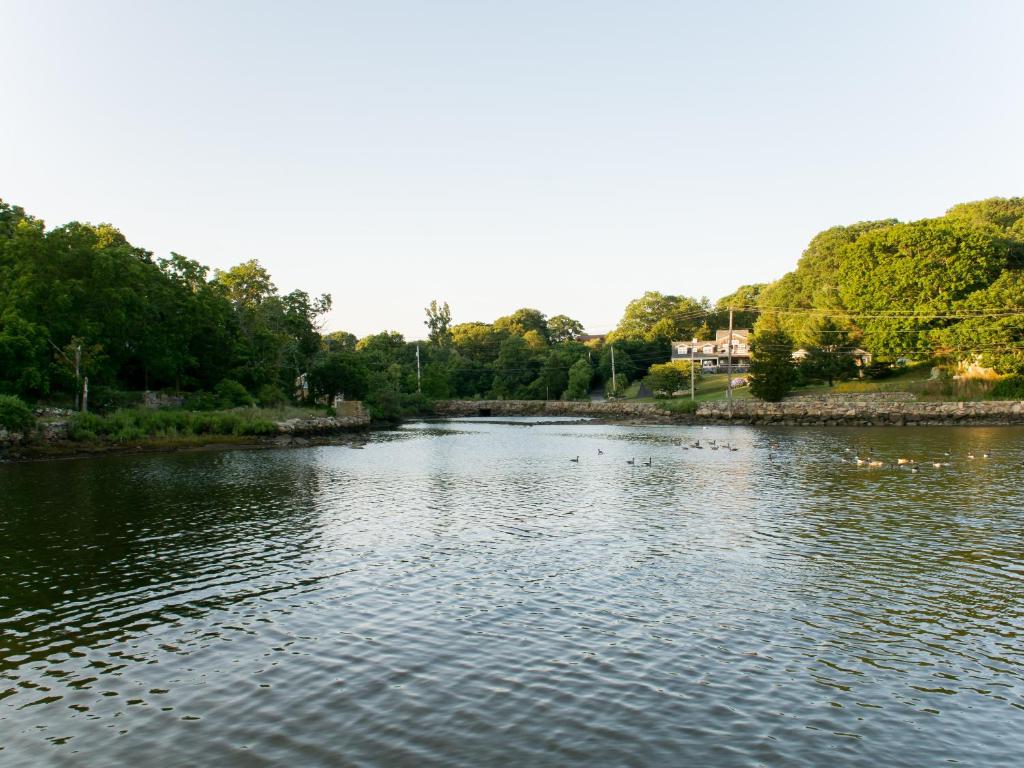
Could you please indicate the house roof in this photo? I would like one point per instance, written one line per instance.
(739, 336)
(737, 333)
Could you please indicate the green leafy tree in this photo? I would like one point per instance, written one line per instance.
(523, 320)
(772, 373)
(580, 375)
(338, 341)
(479, 342)
(828, 346)
(991, 333)
(904, 279)
(555, 375)
(231, 394)
(246, 285)
(341, 372)
(514, 369)
(666, 378)
(657, 317)
(439, 322)
(24, 356)
(621, 385)
(436, 382)
(743, 301)
(384, 392)
(562, 328)
(15, 415)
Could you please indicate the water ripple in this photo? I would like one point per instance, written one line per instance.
(463, 594)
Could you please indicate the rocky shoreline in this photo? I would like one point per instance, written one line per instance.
(856, 409)
(860, 409)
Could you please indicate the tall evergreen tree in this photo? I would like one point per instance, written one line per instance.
(772, 374)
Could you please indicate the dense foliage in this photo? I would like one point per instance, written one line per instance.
(137, 424)
(950, 287)
(136, 322)
(15, 415)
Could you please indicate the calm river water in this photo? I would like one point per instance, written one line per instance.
(462, 594)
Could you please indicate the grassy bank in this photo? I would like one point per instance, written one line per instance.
(918, 381)
(134, 424)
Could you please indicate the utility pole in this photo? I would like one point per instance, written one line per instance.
(419, 390)
(615, 389)
(728, 391)
(693, 348)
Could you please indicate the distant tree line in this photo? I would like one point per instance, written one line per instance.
(83, 294)
(949, 287)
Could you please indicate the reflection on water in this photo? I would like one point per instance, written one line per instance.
(462, 594)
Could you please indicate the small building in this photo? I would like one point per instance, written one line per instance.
(713, 354)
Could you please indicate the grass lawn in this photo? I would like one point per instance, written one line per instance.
(917, 380)
(710, 386)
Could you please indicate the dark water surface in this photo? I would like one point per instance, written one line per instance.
(462, 594)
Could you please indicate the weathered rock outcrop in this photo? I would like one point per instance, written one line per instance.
(353, 417)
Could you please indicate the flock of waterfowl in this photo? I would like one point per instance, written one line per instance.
(868, 461)
(911, 465)
(696, 445)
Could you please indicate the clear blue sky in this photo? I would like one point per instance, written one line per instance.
(562, 155)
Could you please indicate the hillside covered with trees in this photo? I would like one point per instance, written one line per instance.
(951, 287)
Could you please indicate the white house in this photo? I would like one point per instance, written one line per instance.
(713, 354)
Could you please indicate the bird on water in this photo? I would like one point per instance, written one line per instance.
(647, 463)
(631, 461)
(576, 460)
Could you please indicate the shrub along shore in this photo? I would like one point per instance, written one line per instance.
(57, 434)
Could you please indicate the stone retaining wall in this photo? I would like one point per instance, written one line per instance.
(865, 413)
(621, 409)
(812, 412)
